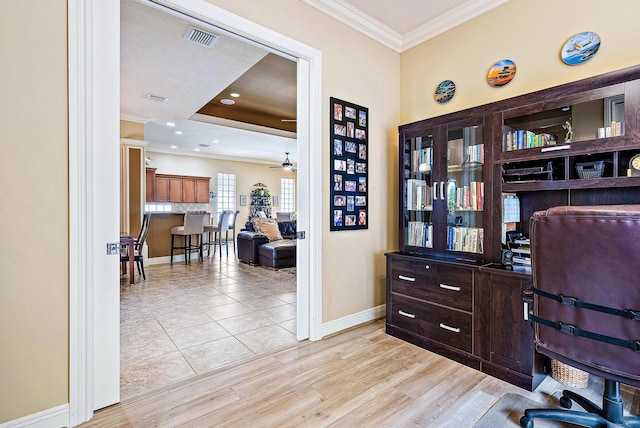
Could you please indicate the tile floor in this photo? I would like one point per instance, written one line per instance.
(186, 320)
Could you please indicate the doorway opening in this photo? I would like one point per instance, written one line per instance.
(94, 153)
(199, 317)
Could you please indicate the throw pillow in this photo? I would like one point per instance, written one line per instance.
(257, 223)
(271, 230)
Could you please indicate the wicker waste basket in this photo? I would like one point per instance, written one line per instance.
(568, 375)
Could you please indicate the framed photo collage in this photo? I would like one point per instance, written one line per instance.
(349, 166)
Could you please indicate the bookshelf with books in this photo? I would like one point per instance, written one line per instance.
(443, 190)
(467, 189)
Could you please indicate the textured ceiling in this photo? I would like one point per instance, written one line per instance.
(156, 59)
(404, 15)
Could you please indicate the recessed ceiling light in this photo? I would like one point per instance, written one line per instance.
(196, 149)
(179, 132)
(227, 101)
(171, 124)
(215, 141)
(234, 94)
(174, 147)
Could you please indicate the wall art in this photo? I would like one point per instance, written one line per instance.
(348, 175)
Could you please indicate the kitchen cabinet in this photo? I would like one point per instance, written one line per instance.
(150, 184)
(176, 188)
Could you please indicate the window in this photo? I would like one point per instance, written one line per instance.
(226, 192)
(287, 195)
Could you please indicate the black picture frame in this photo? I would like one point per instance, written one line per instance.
(349, 166)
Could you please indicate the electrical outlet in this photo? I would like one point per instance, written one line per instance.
(113, 248)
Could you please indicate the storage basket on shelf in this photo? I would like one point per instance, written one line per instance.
(568, 375)
(590, 169)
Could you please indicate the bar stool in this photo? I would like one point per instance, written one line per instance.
(216, 230)
(193, 225)
(232, 228)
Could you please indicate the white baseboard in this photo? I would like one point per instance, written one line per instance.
(353, 320)
(51, 418)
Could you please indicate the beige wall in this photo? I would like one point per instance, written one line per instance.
(530, 33)
(361, 71)
(34, 299)
(34, 276)
(131, 130)
(247, 174)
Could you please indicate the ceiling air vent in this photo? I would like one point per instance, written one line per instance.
(156, 98)
(200, 37)
(204, 145)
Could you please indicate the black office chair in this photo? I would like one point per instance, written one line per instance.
(586, 304)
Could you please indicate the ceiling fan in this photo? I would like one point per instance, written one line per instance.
(286, 165)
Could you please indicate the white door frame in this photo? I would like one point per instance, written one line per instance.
(93, 57)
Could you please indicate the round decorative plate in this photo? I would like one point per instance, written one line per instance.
(501, 73)
(580, 48)
(445, 91)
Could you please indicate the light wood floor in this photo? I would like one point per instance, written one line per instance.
(358, 378)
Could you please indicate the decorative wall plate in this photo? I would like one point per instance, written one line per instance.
(580, 48)
(501, 73)
(445, 91)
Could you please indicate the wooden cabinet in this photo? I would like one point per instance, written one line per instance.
(189, 190)
(430, 304)
(150, 184)
(162, 189)
(504, 337)
(202, 190)
(470, 313)
(176, 188)
(566, 145)
(442, 188)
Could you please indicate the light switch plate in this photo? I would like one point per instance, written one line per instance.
(113, 248)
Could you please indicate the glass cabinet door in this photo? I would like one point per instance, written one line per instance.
(465, 190)
(418, 209)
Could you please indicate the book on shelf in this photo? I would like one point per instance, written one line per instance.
(470, 197)
(523, 139)
(420, 234)
(418, 195)
(466, 239)
(475, 153)
(422, 159)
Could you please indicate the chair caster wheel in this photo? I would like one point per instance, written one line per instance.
(565, 402)
(525, 422)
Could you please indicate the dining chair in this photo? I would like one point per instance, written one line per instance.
(138, 245)
(192, 226)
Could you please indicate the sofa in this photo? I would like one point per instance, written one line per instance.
(273, 245)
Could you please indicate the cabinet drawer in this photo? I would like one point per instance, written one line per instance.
(447, 326)
(445, 285)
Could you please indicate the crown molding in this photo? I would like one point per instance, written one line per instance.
(179, 152)
(204, 118)
(448, 20)
(134, 118)
(354, 18)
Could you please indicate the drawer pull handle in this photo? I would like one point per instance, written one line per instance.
(446, 327)
(450, 287)
(407, 278)
(406, 314)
